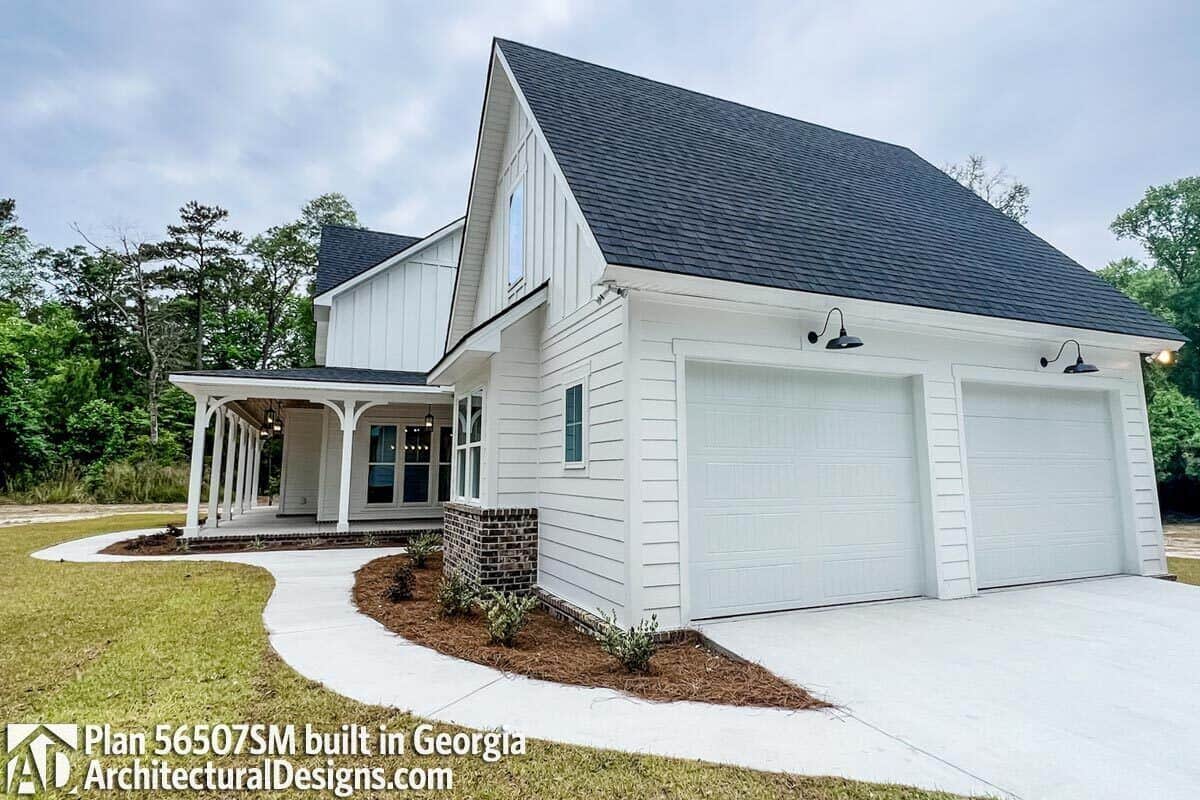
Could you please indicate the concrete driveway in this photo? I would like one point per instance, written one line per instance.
(1088, 689)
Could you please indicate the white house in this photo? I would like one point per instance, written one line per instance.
(643, 380)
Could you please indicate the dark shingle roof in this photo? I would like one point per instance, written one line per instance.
(672, 180)
(334, 374)
(347, 252)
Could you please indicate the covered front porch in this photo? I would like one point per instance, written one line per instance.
(266, 521)
(360, 449)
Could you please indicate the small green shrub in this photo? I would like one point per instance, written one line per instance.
(182, 545)
(455, 596)
(402, 584)
(505, 613)
(634, 647)
(370, 539)
(421, 547)
(256, 543)
(313, 541)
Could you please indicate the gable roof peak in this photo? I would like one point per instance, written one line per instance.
(674, 180)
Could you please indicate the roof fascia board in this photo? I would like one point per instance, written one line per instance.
(287, 388)
(469, 217)
(326, 297)
(716, 293)
(485, 337)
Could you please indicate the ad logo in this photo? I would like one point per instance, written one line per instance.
(37, 757)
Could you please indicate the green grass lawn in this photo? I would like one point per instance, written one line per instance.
(1187, 569)
(135, 645)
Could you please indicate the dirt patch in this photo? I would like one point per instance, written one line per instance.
(14, 514)
(552, 650)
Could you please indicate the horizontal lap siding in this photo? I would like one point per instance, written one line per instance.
(1134, 427)
(581, 513)
(514, 393)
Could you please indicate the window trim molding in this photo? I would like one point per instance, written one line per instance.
(462, 451)
(515, 285)
(399, 427)
(581, 376)
(404, 464)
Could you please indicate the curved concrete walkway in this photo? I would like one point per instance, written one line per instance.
(315, 627)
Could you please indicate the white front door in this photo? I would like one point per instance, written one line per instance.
(1043, 484)
(802, 489)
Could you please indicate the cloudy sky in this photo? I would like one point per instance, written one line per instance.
(115, 114)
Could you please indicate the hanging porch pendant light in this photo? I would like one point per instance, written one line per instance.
(842, 341)
(1079, 367)
(429, 418)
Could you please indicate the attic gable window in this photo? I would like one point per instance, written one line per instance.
(516, 235)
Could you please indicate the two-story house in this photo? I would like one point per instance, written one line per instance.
(687, 358)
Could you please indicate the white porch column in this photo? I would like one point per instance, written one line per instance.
(230, 457)
(239, 499)
(256, 472)
(349, 423)
(196, 475)
(214, 471)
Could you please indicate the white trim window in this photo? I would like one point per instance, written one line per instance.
(575, 413)
(445, 457)
(468, 446)
(516, 235)
(417, 461)
(381, 465)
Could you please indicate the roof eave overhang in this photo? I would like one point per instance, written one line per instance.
(326, 297)
(916, 319)
(482, 342)
(289, 389)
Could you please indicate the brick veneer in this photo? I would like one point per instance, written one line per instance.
(492, 548)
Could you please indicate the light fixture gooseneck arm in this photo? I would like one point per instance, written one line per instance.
(1078, 352)
(814, 336)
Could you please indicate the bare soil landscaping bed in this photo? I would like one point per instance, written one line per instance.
(550, 649)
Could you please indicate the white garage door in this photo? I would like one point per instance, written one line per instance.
(802, 489)
(1043, 484)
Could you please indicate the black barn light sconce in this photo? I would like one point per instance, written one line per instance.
(842, 341)
(429, 418)
(1079, 367)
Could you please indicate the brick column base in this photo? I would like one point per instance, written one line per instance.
(492, 548)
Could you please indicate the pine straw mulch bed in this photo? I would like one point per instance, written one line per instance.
(168, 544)
(549, 649)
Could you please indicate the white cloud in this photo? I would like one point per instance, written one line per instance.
(260, 106)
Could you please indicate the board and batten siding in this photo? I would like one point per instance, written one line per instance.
(397, 319)
(558, 245)
(582, 512)
(659, 328)
(331, 461)
(300, 479)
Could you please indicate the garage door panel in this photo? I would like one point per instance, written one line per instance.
(832, 431)
(1050, 481)
(1016, 438)
(1043, 484)
(802, 494)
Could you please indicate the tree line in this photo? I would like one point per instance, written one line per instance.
(89, 334)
